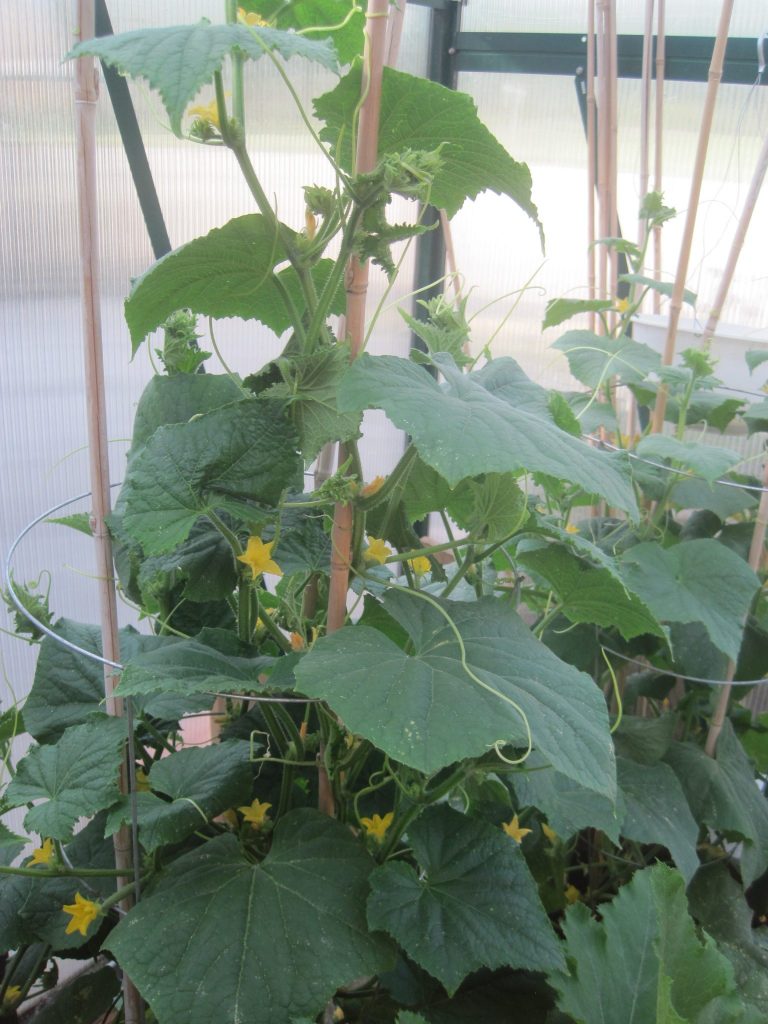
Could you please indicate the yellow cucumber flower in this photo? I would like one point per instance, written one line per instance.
(11, 997)
(376, 827)
(572, 894)
(208, 113)
(549, 833)
(513, 830)
(250, 18)
(622, 305)
(420, 564)
(258, 557)
(45, 854)
(255, 813)
(377, 551)
(374, 486)
(84, 912)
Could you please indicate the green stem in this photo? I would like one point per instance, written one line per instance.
(225, 531)
(460, 573)
(63, 872)
(545, 620)
(336, 276)
(238, 101)
(244, 611)
(272, 628)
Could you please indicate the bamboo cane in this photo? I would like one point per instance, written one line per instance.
(357, 289)
(603, 144)
(658, 144)
(86, 96)
(676, 302)
(736, 245)
(613, 147)
(645, 108)
(591, 158)
(756, 550)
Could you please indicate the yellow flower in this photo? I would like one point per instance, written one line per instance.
(84, 912)
(11, 996)
(374, 486)
(258, 557)
(420, 564)
(310, 223)
(209, 113)
(622, 305)
(513, 830)
(297, 642)
(256, 813)
(46, 854)
(572, 894)
(376, 827)
(142, 782)
(338, 1013)
(377, 551)
(570, 528)
(549, 833)
(250, 18)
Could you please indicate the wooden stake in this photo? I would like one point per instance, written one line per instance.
(613, 146)
(736, 245)
(357, 289)
(86, 96)
(591, 159)
(658, 146)
(676, 302)
(645, 109)
(756, 550)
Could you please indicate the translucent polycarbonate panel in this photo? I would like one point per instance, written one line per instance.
(537, 118)
(42, 393)
(682, 17)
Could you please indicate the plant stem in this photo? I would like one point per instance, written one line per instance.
(238, 101)
(63, 872)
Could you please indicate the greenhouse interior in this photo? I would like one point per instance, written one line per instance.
(385, 407)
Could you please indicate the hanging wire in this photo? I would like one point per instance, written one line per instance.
(686, 679)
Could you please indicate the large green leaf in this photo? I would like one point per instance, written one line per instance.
(426, 709)
(311, 400)
(178, 398)
(76, 777)
(244, 450)
(567, 806)
(68, 687)
(319, 18)
(718, 903)
(462, 429)
(30, 908)
(86, 998)
(722, 499)
(177, 61)
(204, 565)
(588, 594)
(706, 460)
(228, 272)
(288, 930)
(694, 581)
(213, 660)
(473, 890)
(201, 782)
(722, 795)
(420, 115)
(644, 964)
(656, 811)
(594, 358)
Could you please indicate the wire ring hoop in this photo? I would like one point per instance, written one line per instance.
(83, 651)
(250, 698)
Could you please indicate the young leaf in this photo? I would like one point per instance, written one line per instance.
(722, 794)
(474, 890)
(177, 399)
(662, 287)
(177, 61)
(559, 310)
(321, 19)
(310, 397)
(420, 115)
(755, 357)
(201, 782)
(660, 970)
(76, 777)
(213, 660)
(656, 811)
(756, 417)
(464, 427)
(294, 924)
(244, 450)
(426, 710)
(706, 460)
(694, 581)
(593, 358)
(588, 594)
(228, 272)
